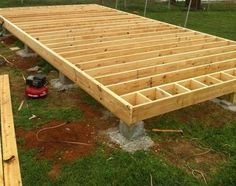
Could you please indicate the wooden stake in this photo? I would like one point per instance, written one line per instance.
(145, 8)
(189, 7)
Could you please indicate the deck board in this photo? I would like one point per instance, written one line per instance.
(127, 62)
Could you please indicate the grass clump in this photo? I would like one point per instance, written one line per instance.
(44, 112)
(34, 171)
(121, 168)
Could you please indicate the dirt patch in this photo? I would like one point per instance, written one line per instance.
(207, 113)
(185, 154)
(23, 63)
(59, 152)
(8, 40)
(52, 146)
(74, 99)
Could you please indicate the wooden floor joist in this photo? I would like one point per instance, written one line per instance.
(136, 67)
(9, 165)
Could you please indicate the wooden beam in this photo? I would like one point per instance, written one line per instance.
(48, 22)
(94, 43)
(65, 15)
(155, 80)
(65, 28)
(103, 31)
(73, 24)
(163, 68)
(147, 55)
(158, 63)
(122, 45)
(12, 175)
(156, 47)
(109, 36)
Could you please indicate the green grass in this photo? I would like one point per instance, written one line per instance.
(121, 168)
(46, 113)
(34, 171)
(220, 139)
(45, 66)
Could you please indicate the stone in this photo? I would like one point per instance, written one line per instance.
(64, 80)
(225, 104)
(132, 131)
(33, 69)
(26, 52)
(56, 84)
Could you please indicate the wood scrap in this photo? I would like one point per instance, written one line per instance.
(32, 117)
(168, 131)
(151, 182)
(21, 105)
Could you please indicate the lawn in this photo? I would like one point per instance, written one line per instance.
(206, 150)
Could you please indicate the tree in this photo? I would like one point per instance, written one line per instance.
(196, 4)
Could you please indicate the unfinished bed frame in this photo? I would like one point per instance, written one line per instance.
(136, 67)
(9, 162)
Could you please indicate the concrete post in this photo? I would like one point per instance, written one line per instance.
(230, 98)
(132, 131)
(64, 80)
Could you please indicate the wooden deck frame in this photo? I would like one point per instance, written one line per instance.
(136, 67)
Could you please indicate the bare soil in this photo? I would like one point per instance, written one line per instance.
(207, 113)
(51, 147)
(9, 40)
(22, 63)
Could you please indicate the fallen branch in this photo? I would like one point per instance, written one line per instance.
(58, 141)
(168, 131)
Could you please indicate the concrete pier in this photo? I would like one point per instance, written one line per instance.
(26, 52)
(132, 131)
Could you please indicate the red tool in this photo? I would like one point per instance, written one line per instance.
(36, 86)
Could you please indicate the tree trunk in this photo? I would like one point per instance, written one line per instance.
(196, 4)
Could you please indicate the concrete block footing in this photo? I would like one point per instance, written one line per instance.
(62, 83)
(225, 104)
(132, 131)
(64, 80)
(26, 52)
